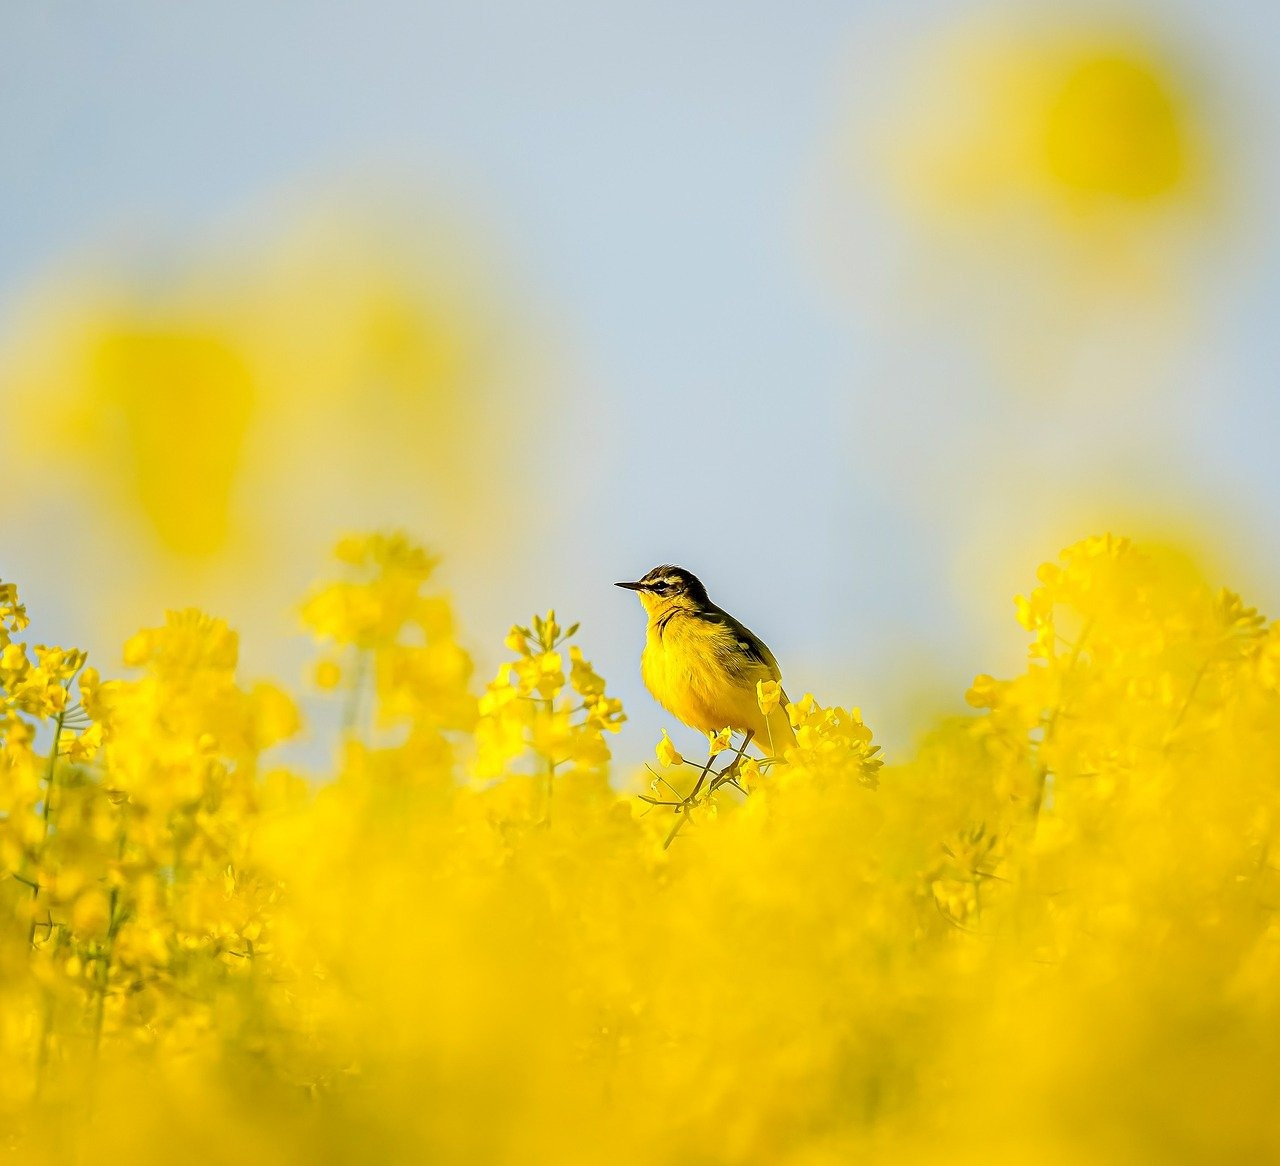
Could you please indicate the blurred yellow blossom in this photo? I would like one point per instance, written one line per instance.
(215, 416)
(1082, 117)
(1056, 177)
(327, 674)
(467, 945)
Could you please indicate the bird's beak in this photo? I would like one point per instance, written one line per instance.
(631, 586)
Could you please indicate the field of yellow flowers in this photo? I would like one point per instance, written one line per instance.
(1050, 936)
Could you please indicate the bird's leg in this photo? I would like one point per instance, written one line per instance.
(728, 773)
(706, 769)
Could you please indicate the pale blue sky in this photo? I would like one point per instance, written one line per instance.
(648, 172)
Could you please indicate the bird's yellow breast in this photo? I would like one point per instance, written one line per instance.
(683, 665)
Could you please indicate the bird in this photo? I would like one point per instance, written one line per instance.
(702, 665)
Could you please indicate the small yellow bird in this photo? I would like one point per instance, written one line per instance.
(702, 665)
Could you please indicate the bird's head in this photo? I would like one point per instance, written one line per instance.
(668, 588)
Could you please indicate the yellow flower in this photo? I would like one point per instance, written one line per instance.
(326, 674)
(749, 774)
(84, 747)
(721, 741)
(13, 662)
(90, 914)
(1072, 853)
(667, 753)
(768, 694)
(585, 680)
(984, 693)
(273, 716)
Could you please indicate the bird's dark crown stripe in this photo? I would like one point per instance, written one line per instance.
(669, 577)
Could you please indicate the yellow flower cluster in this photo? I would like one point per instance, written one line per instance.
(130, 908)
(527, 711)
(379, 626)
(1049, 936)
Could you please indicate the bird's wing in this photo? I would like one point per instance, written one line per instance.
(753, 654)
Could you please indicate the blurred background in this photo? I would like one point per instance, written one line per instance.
(858, 310)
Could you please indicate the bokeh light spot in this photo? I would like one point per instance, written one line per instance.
(1115, 128)
(182, 403)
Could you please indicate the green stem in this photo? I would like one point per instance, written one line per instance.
(351, 709)
(50, 775)
(551, 775)
(1186, 704)
(115, 919)
(682, 811)
(42, 1049)
(1052, 724)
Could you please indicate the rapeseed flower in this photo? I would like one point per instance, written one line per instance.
(468, 943)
